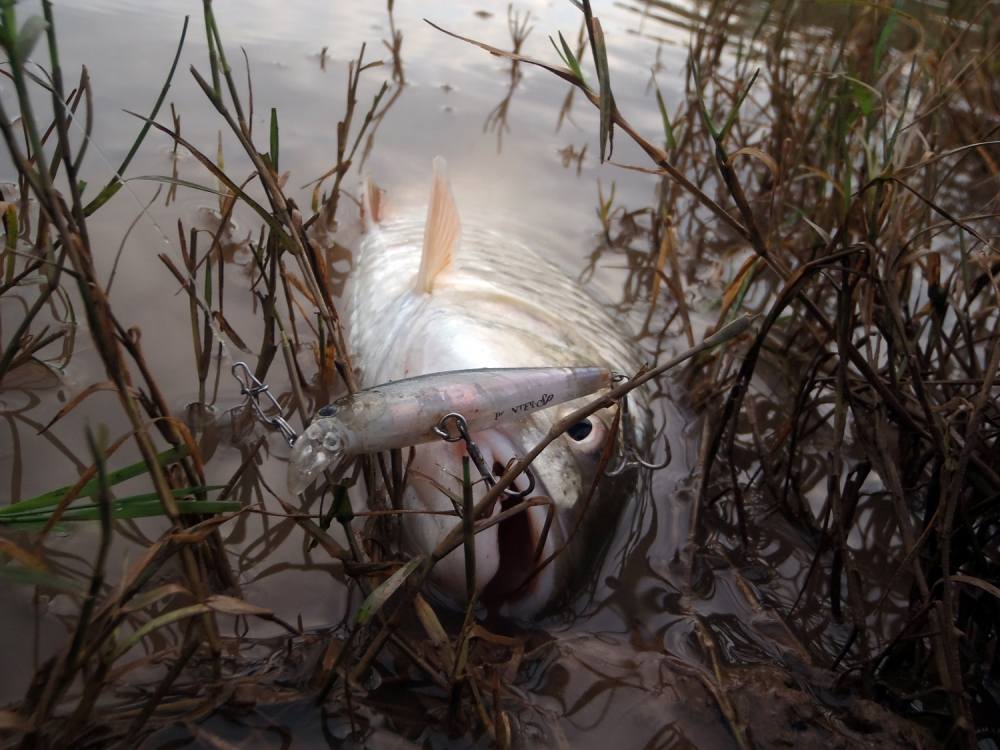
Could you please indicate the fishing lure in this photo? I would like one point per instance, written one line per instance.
(411, 411)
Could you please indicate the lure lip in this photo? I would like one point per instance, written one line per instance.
(322, 445)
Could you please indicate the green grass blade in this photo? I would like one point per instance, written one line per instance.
(342, 509)
(153, 508)
(748, 278)
(736, 109)
(706, 117)
(884, 36)
(147, 506)
(53, 497)
(169, 618)
(274, 139)
(10, 225)
(668, 130)
(386, 589)
(115, 184)
(604, 79)
(180, 183)
(568, 58)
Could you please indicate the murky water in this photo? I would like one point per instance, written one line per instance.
(612, 674)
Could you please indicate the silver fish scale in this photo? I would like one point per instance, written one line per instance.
(501, 305)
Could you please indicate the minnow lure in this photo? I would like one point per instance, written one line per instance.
(406, 412)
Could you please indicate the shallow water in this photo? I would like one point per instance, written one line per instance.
(607, 681)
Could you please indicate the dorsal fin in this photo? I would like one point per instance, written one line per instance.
(372, 211)
(441, 231)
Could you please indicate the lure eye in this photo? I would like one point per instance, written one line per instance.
(581, 430)
(327, 411)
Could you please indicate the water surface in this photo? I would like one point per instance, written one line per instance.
(605, 682)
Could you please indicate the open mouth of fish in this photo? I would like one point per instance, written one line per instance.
(517, 542)
(507, 553)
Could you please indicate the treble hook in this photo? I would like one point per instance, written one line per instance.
(631, 459)
(441, 430)
(253, 389)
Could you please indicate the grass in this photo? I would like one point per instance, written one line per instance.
(849, 183)
(859, 178)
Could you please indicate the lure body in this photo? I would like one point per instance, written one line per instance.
(405, 412)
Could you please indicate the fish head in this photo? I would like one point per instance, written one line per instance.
(525, 558)
(321, 446)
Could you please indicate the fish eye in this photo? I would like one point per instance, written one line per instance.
(327, 411)
(581, 430)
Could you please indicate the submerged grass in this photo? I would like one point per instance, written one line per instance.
(848, 187)
(853, 184)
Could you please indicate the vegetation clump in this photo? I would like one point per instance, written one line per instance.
(849, 182)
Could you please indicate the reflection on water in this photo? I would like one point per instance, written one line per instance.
(627, 662)
(520, 27)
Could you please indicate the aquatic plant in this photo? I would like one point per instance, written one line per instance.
(846, 188)
(851, 190)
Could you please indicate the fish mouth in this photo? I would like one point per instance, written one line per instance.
(508, 551)
(517, 544)
(518, 541)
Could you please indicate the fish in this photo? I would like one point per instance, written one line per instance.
(428, 295)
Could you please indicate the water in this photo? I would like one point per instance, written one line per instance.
(614, 670)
